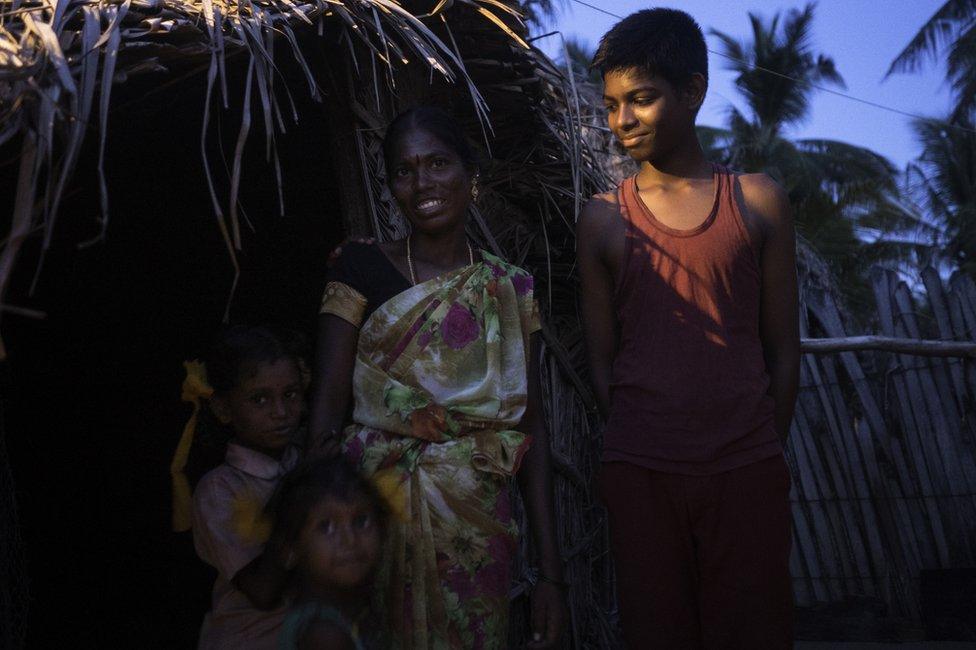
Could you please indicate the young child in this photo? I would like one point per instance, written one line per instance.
(258, 392)
(330, 520)
(689, 301)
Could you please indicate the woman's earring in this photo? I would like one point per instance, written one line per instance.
(474, 189)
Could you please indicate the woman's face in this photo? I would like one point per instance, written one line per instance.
(430, 183)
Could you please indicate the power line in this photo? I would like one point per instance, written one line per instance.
(812, 85)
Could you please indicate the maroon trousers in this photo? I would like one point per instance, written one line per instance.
(702, 561)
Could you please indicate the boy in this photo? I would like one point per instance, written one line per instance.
(689, 303)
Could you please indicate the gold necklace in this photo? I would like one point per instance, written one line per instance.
(413, 275)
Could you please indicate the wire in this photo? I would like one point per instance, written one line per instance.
(812, 85)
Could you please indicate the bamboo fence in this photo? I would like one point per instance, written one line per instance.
(881, 448)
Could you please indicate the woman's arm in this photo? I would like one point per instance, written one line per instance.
(335, 358)
(535, 481)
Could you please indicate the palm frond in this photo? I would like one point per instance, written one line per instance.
(937, 32)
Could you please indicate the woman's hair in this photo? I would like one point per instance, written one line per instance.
(664, 42)
(437, 123)
(240, 349)
(305, 486)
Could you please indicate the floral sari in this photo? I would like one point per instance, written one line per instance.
(440, 381)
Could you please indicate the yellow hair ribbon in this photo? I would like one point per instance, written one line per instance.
(195, 389)
(389, 484)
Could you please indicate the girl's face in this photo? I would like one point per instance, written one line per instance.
(340, 542)
(430, 183)
(265, 407)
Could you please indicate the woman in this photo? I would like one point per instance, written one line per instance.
(437, 345)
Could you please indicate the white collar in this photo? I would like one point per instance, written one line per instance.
(257, 464)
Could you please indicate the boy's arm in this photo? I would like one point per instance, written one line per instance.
(240, 562)
(779, 327)
(596, 295)
(263, 580)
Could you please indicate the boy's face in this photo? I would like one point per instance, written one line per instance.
(265, 408)
(648, 115)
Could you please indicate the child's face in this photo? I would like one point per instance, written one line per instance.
(340, 542)
(264, 408)
(647, 114)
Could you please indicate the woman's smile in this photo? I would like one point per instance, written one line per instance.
(429, 206)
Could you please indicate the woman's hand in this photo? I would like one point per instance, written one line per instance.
(334, 255)
(548, 615)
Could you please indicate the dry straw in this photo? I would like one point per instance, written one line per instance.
(57, 56)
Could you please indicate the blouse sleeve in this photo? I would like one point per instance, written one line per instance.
(341, 297)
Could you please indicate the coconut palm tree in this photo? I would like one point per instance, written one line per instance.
(578, 55)
(837, 190)
(952, 27)
(538, 13)
(945, 179)
(944, 176)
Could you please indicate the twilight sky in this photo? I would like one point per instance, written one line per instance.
(862, 36)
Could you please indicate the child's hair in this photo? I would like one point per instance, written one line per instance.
(663, 42)
(305, 486)
(438, 123)
(240, 349)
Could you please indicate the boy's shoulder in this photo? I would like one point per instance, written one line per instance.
(599, 209)
(221, 481)
(602, 200)
(764, 198)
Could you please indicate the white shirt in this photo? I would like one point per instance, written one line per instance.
(225, 501)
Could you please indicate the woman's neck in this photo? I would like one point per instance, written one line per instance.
(442, 250)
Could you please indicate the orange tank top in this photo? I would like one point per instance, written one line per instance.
(688, 390)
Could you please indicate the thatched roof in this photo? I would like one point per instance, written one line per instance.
(59, 60)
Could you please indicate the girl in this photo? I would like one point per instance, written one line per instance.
(330, 520)
(257, 387)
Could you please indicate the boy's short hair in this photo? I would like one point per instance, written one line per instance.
(664, 42)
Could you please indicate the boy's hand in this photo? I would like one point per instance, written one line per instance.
(548, 615)
(328, 447)
(334, 255)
